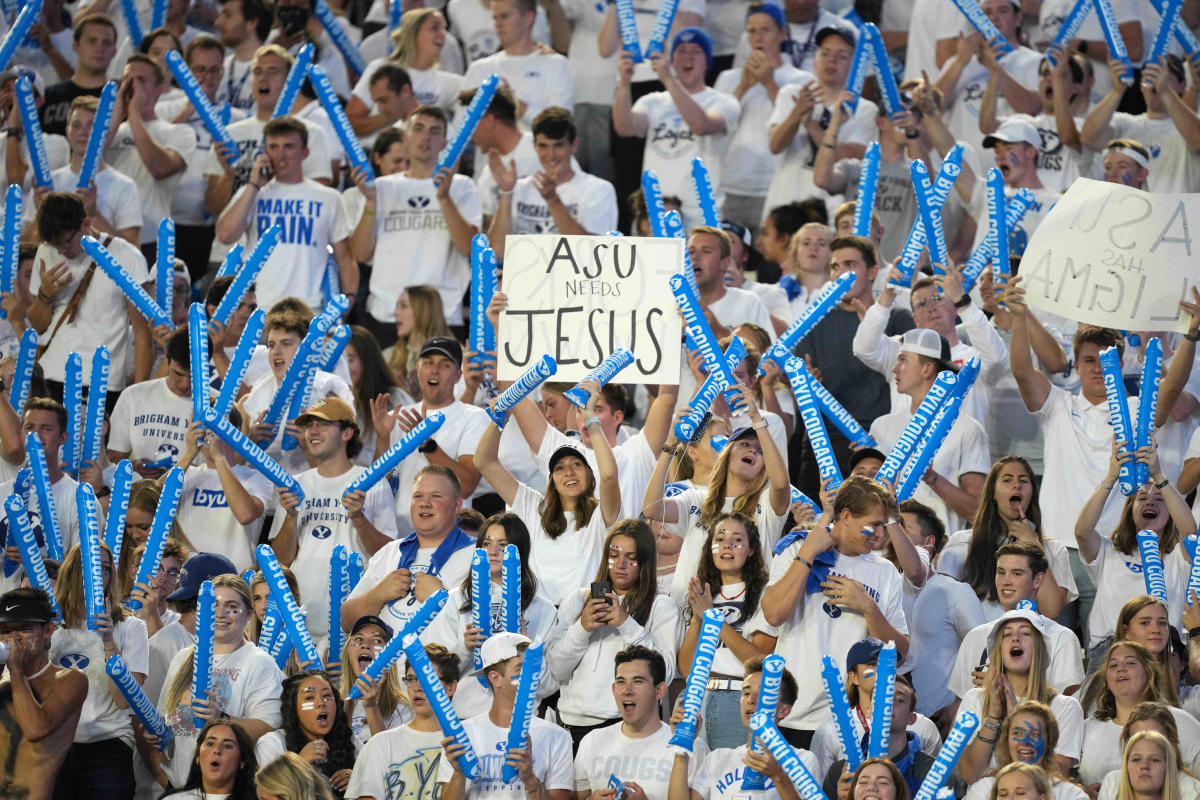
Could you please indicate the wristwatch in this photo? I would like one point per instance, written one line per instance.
(963, 301)
(429, 447)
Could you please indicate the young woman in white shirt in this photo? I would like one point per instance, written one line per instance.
(1009, 510)
(290, 777)
(315, 727)
(620, 608)
(878, 779)
(383, 704)
(1131, 676)
(731, 577)
(1026, 781)
(1150, 769)
(568, 522)
(453, 626)
(223, 768)
(1114, 562)
(1018, 664)
(1029, 735)
(1150, 717)
(1143, 620)
(153, 595)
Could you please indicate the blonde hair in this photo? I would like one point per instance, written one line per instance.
(123, 580)
(1037, 686)
(1170, 789)
(391, 691)
(429, 320)
(273, 50)
(144, 495)
(714, 500)
(1041, 781)
(68, 590)
(290, 777)
(404, 38)
(181, 682)
(254, 629)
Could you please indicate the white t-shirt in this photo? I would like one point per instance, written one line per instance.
(187, 205)
(398, 612)
(1118, 578)
(321, 525)
(169, 640)
(539, 80)
(567, 562)
(550, 747)
(966, 98)
(431, 87)
(472, 23)
(82, 649)
(671, 144)
(1173, 165)
(590, 200)
(247, 134)
(743, 305)
(523, 157)
(204, 507)
(399, 764)
(945, 612)
(1102, 745)
(236, 87)
(155, 194)
(311, 217)
(1058, 165)
(816, 626)
(409, 219)
(1019, 234)
(646, 760)
(100, 318)
(634, 460)
(117, 197)
(827, 746)
(58, 154)
(66, 513)
(1066, 658)
(721, 773)
(1067, 712)
(150, 421)
(1056, 553)
(592, 74)
(749, 163)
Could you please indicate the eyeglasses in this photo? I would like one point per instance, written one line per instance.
(932, 300)
(217, 70)
(171, 574)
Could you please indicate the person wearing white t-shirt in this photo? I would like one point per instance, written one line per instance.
(635, 750)
(310, 216)
(405, 572)
(305, 535)
(242, 26)
(1168, 128)
(538, 79)
(559, 198)
(748, 162)
(498, 132)
(686, 121)
(831, 590)
(390, 94)
(151, 151)
(424, 220)
(112, 198)
(403, 762)
(543, 765)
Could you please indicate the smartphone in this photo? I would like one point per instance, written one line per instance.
(601, 590)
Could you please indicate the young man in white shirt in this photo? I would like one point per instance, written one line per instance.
(556, 200)
(498, 136)
(538, 80)
(543, 765)
(305, 535)
(243, 26)
(725, 306)
(427, 220)
(311, 217)
(407, 756)
(111, 200)
(437, 554)
(687, 120)
(830, 590)
(151, 151)
(635, 750)
(150, 421)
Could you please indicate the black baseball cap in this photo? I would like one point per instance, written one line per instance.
(865, 453)
(443, 346)
(200, 567)
(26, 605)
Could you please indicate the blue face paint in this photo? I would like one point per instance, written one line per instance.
(1012, 157)
(1126, 179)
(1029, 734)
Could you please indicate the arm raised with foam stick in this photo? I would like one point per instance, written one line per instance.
(524, 707)
(390, 653)
(931, 441)
(839, 704)
(1169, 12)
(688, 428)
(255, 456)
(339, 589)
(1017, 205)
(9, 251)
(705, 195)
(136, 34)
(892, 102)
(233, 260)
(21, 533)
(947, 757)
(240, 362)
(1118, 413)
(293, 377)
(341, 39)
(1147, 404)
(23, 372)
(627, 25)
(769, 686)
(247, 274)
(164, 273)
(684, 735)
(19, 31)
(270, 626)
(701, 333)
(931, 219)
(38, 158)
(198, 353)
(335, 308)
(781, 350)
(118, 508)
(998, 214)
(73, 400)
(1112, 37)
(837, 413)
(401, 450)
(483, 287)
(943, 387)
(204, 109)
(768, 733)
(131, 289)
(1152, 565)
(295, 78)
(1070, 26)
(604, 372)
(881, 705)
(337, 116)
(656, 210)
(160, 529)
(202, 656)
(1187, 40)
(673, 226)
(439, 701)
(45, 496)
(1193, 584)
(980, 22)
(289, 609)
(861, 64)
(89, 554)
(139, 703)
(98, 136)
(457, 141)
(481, 602)
(662, 27)
(532, 378)
(510, 588)
(814, 426)
(918, 235)
(335, 345)
(864, 204)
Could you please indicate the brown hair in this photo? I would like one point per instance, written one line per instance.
(860, 243)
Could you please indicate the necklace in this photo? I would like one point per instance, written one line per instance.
(733, 597)
(39, 673)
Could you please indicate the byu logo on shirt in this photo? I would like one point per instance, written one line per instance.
(831, 610)
(418, 202)
(1136, 569)
(74, 661)
(322, 532)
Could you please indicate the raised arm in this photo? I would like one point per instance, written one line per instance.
(487, 461)
(1086, 534)
(608, 488)
(1095, 127)
(1034, 386)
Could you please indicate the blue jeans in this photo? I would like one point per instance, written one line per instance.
(97, 770)
(722, 725)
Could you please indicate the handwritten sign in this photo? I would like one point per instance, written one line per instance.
(579, 298)
(1107, 254)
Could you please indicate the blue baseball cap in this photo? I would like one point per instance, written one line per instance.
(863, 651)
(694, 36)
(196, 570)
(772, 10)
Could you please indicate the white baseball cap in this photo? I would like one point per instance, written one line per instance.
(500, 647)
(1012, 131)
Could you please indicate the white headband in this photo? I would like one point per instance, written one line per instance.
(1131, 153)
